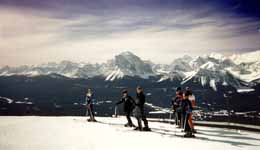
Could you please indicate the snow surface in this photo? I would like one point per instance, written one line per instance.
(75, 133)
(208, 65)
(8, 100)
(217, 56)
(245, 90)
(114, 75)
(246, 57)
(212, 84)
(189, 75)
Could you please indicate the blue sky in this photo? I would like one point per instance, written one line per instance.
(36, 32)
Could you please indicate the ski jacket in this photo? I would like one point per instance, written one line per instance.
(192, 100)
(128, 103)
(176, 103)
(186, 106)
(140, 100)
(89, 99)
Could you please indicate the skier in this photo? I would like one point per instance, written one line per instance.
(128, 107)
(191, 97)
(139, 110)
(187, 110)
(176, 106)
(89, 102)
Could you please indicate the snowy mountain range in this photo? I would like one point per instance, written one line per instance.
(238, 70)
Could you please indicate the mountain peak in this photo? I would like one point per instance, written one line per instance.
(127, 53)
(131, 65)
(216, 56)
(127, 56)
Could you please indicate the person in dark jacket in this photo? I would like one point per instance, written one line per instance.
(187, 110)
(139, 110)
(176, 107)
(89, 102)
(129, 103)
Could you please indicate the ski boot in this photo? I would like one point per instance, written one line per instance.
(138, 129)
(193, 131)
(92, 120)
(189, 135)
(147, 129)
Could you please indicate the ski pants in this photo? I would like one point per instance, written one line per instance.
(187, 127)
(142, 117)
(191, 122)
(177, 118)
(90, 111)
(128, 117)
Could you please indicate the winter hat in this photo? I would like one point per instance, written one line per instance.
(124, 91)
(178, 89)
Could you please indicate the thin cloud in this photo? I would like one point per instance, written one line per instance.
(54, 31)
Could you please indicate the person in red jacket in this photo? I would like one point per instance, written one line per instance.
(187, 111)
(191, 98)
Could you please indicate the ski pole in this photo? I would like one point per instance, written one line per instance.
(176, 123)
(91, 114)
(186, 116)
(116, 111)
(176, 118)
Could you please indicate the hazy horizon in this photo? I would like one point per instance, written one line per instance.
(112, 57)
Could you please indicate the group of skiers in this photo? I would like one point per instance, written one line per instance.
(135, 106)
(182, 105)
(131, 106)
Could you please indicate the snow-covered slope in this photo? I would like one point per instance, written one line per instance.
(74, 133)
(249, 57)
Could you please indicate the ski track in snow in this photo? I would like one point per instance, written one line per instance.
(75, 133)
